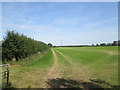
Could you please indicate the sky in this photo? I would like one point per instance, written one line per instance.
(60, 0)
(62, 23)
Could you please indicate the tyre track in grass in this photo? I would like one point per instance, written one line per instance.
(66, 58)
(55, 70)
(78, 72)
(74, 71)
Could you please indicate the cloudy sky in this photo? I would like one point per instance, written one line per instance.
(63, 23)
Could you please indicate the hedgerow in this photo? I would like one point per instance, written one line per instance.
(16, 46)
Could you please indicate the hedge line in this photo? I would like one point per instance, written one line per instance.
(19, 46)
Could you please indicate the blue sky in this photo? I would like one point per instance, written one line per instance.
(72, 23)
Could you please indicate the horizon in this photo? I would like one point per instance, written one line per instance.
(66, 23)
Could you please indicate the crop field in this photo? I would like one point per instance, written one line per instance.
(66, 67)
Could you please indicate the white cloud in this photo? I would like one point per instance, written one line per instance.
(70, 20)
(35, 28)
(66, 21)
(93, 24)
(26, 22)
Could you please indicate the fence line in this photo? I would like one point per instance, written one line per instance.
(5, 75)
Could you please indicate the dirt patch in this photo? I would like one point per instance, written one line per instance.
(14, 65)
(112, 53)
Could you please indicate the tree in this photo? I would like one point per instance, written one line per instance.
(97, 44)
(115, 43)
(49, 44)
(102, 44)
(118, 42)
(109, 44)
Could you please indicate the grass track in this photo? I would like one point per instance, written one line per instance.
(77, 63)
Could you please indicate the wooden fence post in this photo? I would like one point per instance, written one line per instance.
(7, 76)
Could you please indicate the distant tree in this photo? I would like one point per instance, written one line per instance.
(92, 44)
(49, 44)
(102, 44)
(97, 44)
(109, 44)
(115, 43)
(118, 42)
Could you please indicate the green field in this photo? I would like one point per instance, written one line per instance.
(60, 67)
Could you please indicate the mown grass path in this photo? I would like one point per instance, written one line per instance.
(69, 67)
(66, 69)
(54, 71)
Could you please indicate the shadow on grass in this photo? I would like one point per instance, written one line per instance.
(57, 83)
(68, 83)
(105, 83)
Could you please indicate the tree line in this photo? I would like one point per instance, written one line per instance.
(114, 43)
(16, 46)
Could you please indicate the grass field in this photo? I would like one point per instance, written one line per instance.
(83, 67)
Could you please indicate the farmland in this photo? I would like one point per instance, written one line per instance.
(60, 67)
(71, 44)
